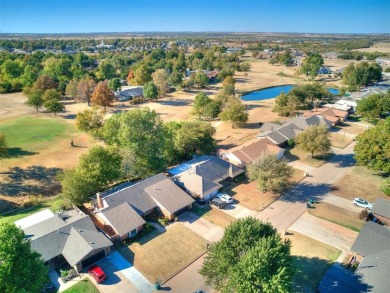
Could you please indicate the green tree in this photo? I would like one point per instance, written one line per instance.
(51, 94)
(234, 112)
(12, 69)
(200, 103)
(160, 79)
(54, 106)
(314, 139)
(141, 76)
(3, 145)
(250, 257)
(201, 79)
(129, 165)
(30, 75)
(371, 107)
(105, 71)
(35, 100)
(212, 109)
(228, 80)
(21, 269)
(90, 120)
(150, 91)
(270, 173)
(176, 78)
(385, 186)
(373, 147)
(139, 130)
(71, 89)
(102, 95)
(286, 105)
(312, 64)
(114, 84)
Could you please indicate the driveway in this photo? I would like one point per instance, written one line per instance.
(201, 226)
(238, 211)
(325, 231)
(115, 282)
(341, 202)
(188, 280)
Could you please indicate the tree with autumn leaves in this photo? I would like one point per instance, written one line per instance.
(102, 95)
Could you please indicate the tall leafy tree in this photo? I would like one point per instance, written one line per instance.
(140, 130)
(373, 147)
(160, 79)
(141, 76)
(35, 100)
(71, 89)
(371, 107)
(105, 70)
(114, 84)
(54, 106)
(270, 173)
(201, 79)
(150, 91)
(90, 120)
(234, 112)
(21, 269)
(85, 89)
(176, 78)
(314, 139)
(312, 64)
(250, 257)
(102, 95)
(200, 103)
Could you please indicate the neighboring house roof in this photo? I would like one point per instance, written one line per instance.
(276, 137)
(250, 152)
(123, 218)
(305, 122)
(268, 126)
(289, 131)
(373, 238)
(131, 91)
(202, 174)
(141, 198)
(74, 239)
(374, 272)
(382, 207)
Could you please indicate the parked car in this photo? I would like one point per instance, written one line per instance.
(97, 273)
(219, 203)
(362, 203)
(224, 197)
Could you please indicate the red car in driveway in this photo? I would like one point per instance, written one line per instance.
(97, 273)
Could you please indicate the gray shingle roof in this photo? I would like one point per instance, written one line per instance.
(123, 218)
(382, 207)
(372, 238)
(276, 137)
(305, 122)
(268, 126)
(289, 131)
(169, 196)
(374, 271)
(197, 185)
(53, 240)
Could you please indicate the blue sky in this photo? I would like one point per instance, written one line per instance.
(311, 16)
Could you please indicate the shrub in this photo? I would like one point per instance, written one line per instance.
(385, 187)
(291, 142)
(363, 215)
(163, 221)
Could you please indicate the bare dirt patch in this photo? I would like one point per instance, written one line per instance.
(339, 140)
(359, 182)
(160, 257)
(337, 215)
(377, 47)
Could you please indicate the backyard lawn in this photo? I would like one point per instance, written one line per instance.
(359, 182)
(312, 259)
(53, 204)
(337, 215)
(160, 255)
(213, 215)
(84, 286)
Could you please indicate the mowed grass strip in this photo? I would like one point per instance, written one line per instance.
(165, 254)
(213, 215)
(312, 259)
(32, 133)
(337, 215)
(53, 204)
(84, 286)
(360, 182)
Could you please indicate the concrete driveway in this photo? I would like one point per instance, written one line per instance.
(188, 280)
(201, 226)
(238, 211)
(324, 231)
(341, 202)
(115, 282)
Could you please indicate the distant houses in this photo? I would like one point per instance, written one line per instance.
(330, 55)
(127, 93)
(382, 61)
(324, 70)
(330, 114)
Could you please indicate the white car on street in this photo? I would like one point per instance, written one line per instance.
(362, 203)
(224, 197)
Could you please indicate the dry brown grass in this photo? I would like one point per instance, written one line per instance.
(377, 47)
(359, 182)
(312, 258)
(162, 256)
(296, 154)
(337, 215)
(339, 140)
(214, 215)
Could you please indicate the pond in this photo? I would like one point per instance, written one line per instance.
(272, 92)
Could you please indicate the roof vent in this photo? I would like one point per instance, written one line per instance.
(91, 243)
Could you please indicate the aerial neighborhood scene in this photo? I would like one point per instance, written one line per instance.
(194, 146)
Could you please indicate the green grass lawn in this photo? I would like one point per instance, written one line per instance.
(53, 204)
(31, 134)
(84, 286)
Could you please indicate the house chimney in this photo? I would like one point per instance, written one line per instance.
(231, 171)
(99, 200)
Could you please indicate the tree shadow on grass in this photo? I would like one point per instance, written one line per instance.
(305, 191)
(343, 160)
(31, 180)
(18, 152)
